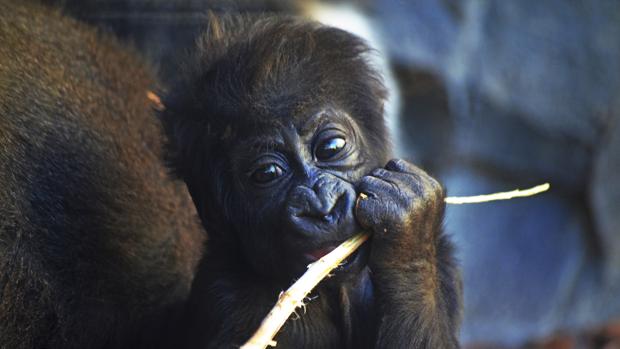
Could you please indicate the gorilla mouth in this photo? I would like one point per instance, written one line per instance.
(314, 255)
(317, 254)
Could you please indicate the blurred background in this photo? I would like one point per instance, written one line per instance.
(488, 96)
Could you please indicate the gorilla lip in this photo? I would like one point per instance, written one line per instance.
(317, 254)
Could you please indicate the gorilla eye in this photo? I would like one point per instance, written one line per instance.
(329, 148)
(267, 173)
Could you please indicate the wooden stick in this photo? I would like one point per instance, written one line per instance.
(497, 196)
(292, 298)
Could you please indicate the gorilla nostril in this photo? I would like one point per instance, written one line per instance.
(323, 211)
(331, 218)
(336, 209)
(327, 202)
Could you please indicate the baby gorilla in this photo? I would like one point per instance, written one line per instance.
(276, 125)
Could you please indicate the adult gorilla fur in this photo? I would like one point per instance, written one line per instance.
(97, 244)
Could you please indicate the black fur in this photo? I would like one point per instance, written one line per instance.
(97, 244)
(258, 103)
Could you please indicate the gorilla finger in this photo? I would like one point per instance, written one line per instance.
(400, 165)
(368, 212)
(400, 181)
(375, 186)
(426, 183)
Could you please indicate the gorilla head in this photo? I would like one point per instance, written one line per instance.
(276, 125)
(273, 123)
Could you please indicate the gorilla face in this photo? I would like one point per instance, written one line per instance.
(296, 182)
(272, 125)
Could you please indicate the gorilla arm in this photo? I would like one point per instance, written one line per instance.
(416, 280)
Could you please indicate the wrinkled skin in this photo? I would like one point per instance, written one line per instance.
(403, 206)
(276, 165)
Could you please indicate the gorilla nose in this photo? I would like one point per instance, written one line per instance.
(328, 200)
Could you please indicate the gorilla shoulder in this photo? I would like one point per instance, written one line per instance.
(96, 242)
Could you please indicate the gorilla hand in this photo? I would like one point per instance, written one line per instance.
(411, 271)
(403, 209)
